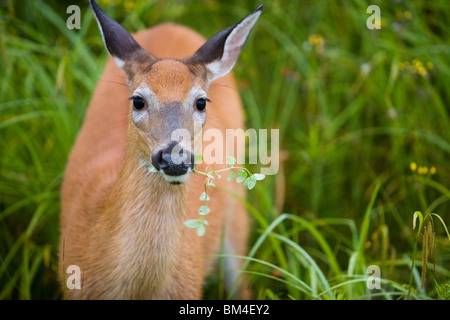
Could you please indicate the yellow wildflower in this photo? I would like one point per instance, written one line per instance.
(413, 166)
(317, 41)
(407, 15)
(418, 68)
(433, 170)
(422, 170)
(416, 63)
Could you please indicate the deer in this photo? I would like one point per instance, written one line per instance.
(121, 223)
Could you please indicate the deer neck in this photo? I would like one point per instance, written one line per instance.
(146, 225)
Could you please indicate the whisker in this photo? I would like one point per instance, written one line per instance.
(222, 85)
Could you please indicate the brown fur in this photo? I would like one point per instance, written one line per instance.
(123, 226)
(180, 81)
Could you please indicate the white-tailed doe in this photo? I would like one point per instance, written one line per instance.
(122, 224)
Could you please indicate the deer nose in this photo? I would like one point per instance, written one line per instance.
(173, 160)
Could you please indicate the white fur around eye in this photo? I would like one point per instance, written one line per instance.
(138, 116)
(199, 117)
(194, 94)
(145, 92)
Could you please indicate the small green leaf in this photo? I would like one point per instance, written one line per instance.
(417, 214)
(251, 182)
(192, 223)
(231, 161)
(211, 184)
(231, 176)
(198, 158)
(259, 176)
(241, 176)
(204, 197)
(201, 230)
(152, 169)
(203, 211)
(205, 222)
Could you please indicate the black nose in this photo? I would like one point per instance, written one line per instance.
(173, 160)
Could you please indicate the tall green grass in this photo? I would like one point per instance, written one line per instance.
(352, 114)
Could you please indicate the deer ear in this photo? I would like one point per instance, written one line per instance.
(119, 43)
(220, 53)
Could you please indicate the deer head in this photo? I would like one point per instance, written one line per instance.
(169, 97)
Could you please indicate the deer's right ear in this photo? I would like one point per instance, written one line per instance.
(119, 43)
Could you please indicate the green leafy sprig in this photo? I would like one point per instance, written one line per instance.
(243, 175)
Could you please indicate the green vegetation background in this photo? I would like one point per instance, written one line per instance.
(364, 121)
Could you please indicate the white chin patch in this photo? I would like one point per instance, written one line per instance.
(176, 179)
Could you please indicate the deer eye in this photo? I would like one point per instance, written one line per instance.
(201, 104)
(138, 102)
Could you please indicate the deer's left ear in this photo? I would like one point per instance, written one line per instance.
(220, 53)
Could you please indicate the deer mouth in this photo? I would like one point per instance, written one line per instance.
(173, 162)
(179, 179)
